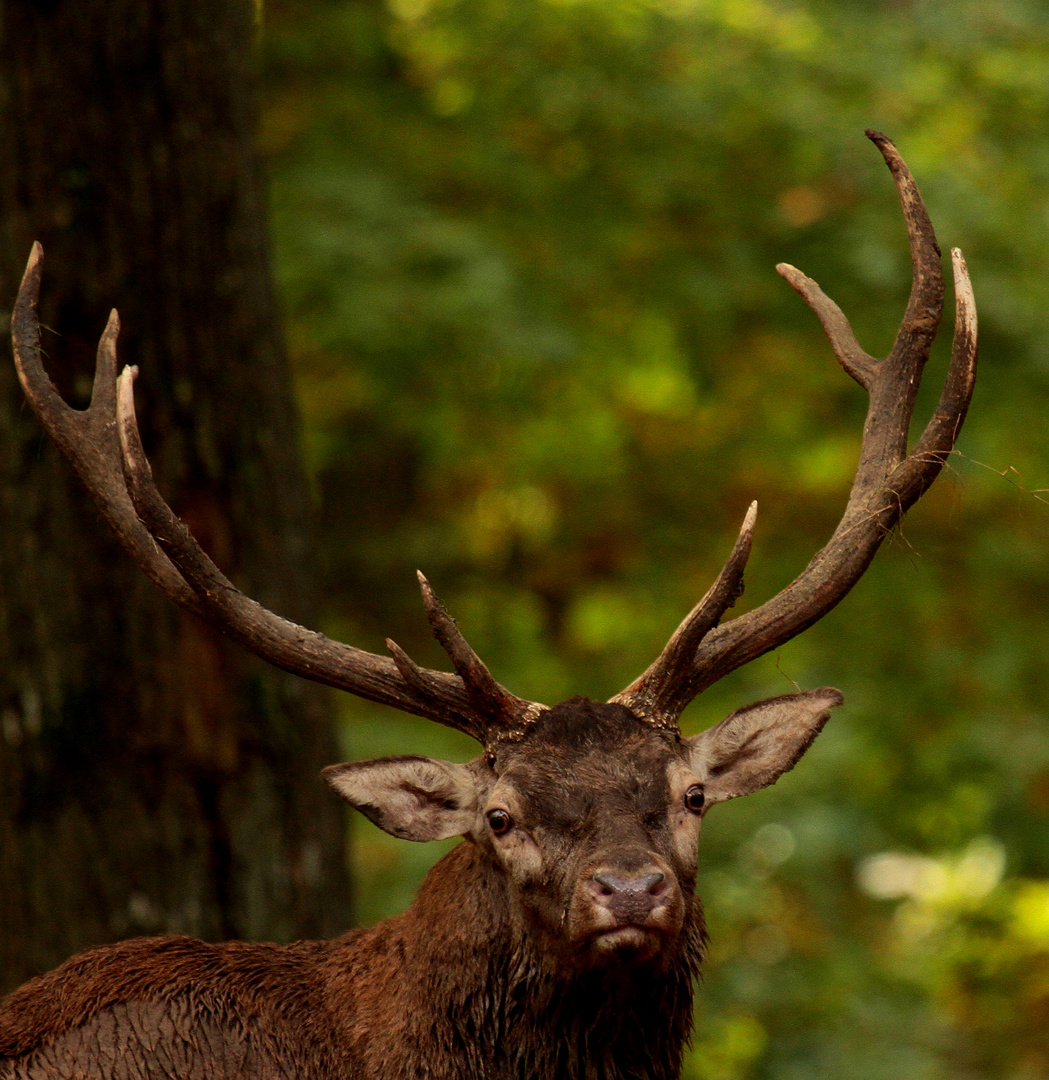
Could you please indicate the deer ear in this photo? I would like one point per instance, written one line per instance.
(755, 746)
(415, 798)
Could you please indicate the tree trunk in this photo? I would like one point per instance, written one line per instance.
(152, 777)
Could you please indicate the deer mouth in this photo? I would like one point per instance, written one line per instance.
(632, 943)
(625, 937)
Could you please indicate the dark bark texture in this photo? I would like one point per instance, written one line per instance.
(152, 778)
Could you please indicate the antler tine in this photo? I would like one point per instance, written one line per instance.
(421, 681)
(858, 363)
(662, 691)
(937, 440)
(888, 481)
(925, 304)
(853, 358)
(491, 700)
(88, 438)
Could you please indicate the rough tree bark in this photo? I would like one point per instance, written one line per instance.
(151, 777)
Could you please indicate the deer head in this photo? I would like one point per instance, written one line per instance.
(592, 815)
(589, 813)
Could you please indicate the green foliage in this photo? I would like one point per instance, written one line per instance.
(526, 253)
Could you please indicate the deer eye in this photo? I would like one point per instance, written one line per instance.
(500, 822)
(695, 798)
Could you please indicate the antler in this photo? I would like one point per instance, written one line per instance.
(888, 480)
(103, 445)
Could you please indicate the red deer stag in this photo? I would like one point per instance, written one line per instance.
(563, 937)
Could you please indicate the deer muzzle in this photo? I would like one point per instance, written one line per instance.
(633, 906)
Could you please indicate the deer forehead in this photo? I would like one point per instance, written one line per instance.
(566, 776)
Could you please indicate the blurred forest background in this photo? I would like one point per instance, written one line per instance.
(525, 253)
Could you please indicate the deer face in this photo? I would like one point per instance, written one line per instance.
(593, 817)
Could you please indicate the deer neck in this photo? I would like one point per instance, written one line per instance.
(477, 998)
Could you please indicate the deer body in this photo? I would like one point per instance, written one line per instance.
(561, 939)
(470, 982)
(391, 1003)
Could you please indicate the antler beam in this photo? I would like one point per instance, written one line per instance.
(103, 445)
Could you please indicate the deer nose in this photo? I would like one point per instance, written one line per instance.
(631, 898)
(611, 883)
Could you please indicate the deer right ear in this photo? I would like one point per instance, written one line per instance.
(414, 798)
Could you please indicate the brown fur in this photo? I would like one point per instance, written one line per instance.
(445, 991)
(481, 979)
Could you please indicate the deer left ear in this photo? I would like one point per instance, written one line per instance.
(415, 798)
(755, 746)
